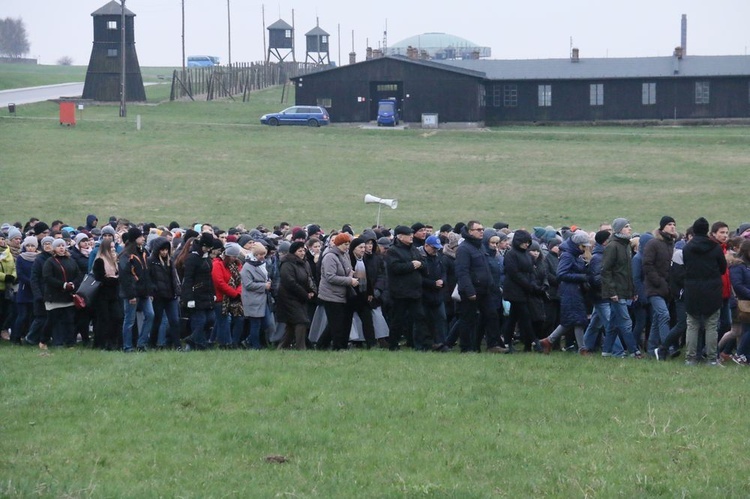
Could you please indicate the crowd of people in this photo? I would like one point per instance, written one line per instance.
(139, 287)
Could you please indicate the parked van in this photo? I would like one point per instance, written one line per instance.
(387, 112)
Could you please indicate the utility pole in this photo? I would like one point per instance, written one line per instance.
(183, 40)
(229, 32)
(123, 108)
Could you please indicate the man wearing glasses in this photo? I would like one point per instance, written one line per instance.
(474, 284)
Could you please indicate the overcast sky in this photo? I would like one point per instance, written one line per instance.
(513, 30)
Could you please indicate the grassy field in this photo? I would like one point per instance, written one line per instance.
(79, 423)
(213, 161)
(29, 75)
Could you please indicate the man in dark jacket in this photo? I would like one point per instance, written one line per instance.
(657, 259)
(617, 286)
(433, 289)
(405, 270)
(475, 284)
(135, 290)
(705, 265)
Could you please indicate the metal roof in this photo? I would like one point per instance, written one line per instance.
(280, 24)
(607, 68)
(112, 9)
(316, 31)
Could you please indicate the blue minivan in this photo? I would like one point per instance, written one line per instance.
(387, 112)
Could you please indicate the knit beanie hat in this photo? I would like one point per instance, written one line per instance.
(666, 219)
(356, 242)
(134, 233)
(48, 239)
(57, 243)
(40, 227)
(601, 236)
(30, 241)
(295, 246)
(700, 227)
(13, 232)
(618, 224)
(108, 229)
(232, 249)
(285, 246)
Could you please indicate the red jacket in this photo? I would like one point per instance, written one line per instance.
(221, 275)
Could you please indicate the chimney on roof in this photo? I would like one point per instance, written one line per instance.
(368, 53)
(678, 52)
(352, 57)
(574, 55)
(683, 37)
(475, 55)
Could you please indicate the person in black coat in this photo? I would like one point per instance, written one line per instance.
(61, 278)
(296, 290)
(705, 265)
(135, 290)
(519, 286)
(108, 304)
(166, 286)
(34, 335)
(405, 269)
(198, 291)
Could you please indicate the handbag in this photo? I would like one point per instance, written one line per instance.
(87, 291)
(744, 308)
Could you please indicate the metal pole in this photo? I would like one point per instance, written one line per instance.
(183, 40)
(123, 108)
(229, 32)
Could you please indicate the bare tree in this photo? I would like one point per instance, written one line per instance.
(13, 40)
(65, 61)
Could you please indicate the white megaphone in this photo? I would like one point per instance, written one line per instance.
(391, 203)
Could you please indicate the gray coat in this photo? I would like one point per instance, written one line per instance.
(335, 276)
(254, 294)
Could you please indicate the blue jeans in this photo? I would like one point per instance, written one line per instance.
(200, 319)
(145, 306)
(436, 323)
(621, 325)
(600, 320)
(744, 347)
(222, 326)
(171, 310)
(659, 323)
(253, 338)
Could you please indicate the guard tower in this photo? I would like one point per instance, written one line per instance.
(317, 46)
(105, 65)
(280, 41)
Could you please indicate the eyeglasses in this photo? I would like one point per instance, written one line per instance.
(478, 229)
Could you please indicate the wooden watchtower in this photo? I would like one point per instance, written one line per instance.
(105, 65)
(280, 41)
(317, 46)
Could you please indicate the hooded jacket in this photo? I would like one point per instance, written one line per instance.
(296, 284)
(164, 278)
(572, 276)
(519, 279)
(705, 266)
(135, 281)
(197, 285)
(637, 269)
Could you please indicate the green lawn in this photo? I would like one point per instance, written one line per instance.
(213, 161)
(31, 75)
(80, 423)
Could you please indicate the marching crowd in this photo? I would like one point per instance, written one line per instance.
(122, 286)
